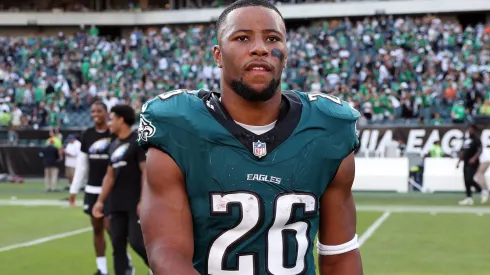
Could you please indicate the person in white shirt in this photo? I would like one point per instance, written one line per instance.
(72, 151)
(16, 115)
(480, 173)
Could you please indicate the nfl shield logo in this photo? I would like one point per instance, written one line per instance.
(259, 148)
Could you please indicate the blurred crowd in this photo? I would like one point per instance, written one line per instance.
(392, 69)
(127, 5)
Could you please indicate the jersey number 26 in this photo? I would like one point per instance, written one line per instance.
(251, 207)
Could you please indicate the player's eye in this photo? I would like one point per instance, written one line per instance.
(242, 38)
(272, 39)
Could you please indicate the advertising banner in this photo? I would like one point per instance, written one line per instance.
(418, 139)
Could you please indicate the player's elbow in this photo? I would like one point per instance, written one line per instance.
(168, 259)
(348, 263)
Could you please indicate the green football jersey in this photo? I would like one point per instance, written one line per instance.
(254, 198)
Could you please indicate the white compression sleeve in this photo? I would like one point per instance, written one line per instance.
(337, 249)
(81, 172)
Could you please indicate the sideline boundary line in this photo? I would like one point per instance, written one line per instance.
(370, 231)
(387, 209)
(45, 239)
(360, 208)
(424, 209)
(36, 202)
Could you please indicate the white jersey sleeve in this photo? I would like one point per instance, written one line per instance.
(81, 173)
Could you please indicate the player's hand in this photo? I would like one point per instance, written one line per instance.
(472, 161)
(97, 210)
(71, 200)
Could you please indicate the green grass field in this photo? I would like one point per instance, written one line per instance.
(418, 234)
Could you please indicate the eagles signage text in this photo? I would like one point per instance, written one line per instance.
(418, 140)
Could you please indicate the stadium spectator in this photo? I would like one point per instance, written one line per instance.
(485, 108)
(13, 137)
(458, 112)
(390, 68)
(5, 118)
(16, 116)
(437, 120)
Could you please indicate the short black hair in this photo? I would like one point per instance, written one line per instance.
(242, 4)
(475, 127)
(101, 104)
(126, 112)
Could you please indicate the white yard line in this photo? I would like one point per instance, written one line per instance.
(387, 209)
(360, 208)
(35, 202)
(45, 239)
(424, 209)
(370, 231)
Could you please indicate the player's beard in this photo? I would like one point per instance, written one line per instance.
(250, 94)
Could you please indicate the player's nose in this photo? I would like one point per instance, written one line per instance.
(259, 48)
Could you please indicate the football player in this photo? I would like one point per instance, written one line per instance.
(241, 182)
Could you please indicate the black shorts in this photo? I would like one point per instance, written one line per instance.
(89, 202)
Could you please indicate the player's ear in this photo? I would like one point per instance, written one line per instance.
(217, 56)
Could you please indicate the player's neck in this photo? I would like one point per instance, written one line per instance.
(252, 113)
(124, 133)
(101, 128)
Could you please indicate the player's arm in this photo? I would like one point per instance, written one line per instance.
(460, 158)
(107, 184)
(338, 248)
(141, 158)
(81, 173)
(165, 217)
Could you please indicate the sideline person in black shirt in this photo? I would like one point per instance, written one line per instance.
(470, 154)
(91, 166)
(123, 179)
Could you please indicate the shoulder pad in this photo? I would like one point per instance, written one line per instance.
(169, 104)
(332, 106)
(169, 94)
(165, 111)
(165, 123)
(336, 115)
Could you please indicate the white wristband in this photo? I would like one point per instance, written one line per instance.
(337, 249)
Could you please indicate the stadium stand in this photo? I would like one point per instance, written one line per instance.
(141, 5)
(393, 69)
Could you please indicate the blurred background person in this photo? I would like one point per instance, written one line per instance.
(469, 155)
(71, 152)
(51, 159)
(480, 172)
